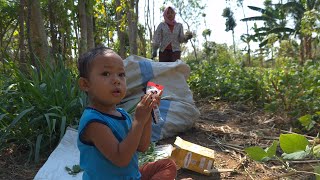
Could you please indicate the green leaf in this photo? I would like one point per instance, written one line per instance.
(67, 169)
(2, 116)
(119, 9)
(62, 127)
(74, 171)
(271, 151)
(16, 120)
(295, 155)
(256, 153)
(316, 150)
(306, 121)
(37, 150)
(317, 170)
(76, 168)
(291, 143)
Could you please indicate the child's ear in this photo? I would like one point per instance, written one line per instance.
(83, 84)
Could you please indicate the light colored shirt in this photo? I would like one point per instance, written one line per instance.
(92, 161)
(163, 37)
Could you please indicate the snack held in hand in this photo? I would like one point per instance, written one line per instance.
(155, 89)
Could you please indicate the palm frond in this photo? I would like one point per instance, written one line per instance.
(257, 18)
(261, 10)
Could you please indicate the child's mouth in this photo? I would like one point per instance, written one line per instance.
(116, 93)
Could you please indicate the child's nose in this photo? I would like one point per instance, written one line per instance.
(116, 79)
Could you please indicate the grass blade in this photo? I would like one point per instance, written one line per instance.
(37, 149)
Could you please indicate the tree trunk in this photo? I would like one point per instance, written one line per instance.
(301, 50)
(234, 44)
(248, 41)
(148, 21)
(38, 34)
(132, 26)
(194, 50)
(22, 60)
(121, 34)
(53, 28)
(29, 36)
(308, 47)
(261, 56)
(105, 9)
(89, 10)
(83, 27)
(143, 51)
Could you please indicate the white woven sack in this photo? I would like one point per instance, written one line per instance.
(65, 154)
(177, 105)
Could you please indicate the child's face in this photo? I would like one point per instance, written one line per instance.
(171, 14)
(106, 81)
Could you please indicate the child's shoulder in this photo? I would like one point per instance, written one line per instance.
(123, 111)
(88, 111)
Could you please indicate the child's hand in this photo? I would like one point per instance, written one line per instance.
(144, 107)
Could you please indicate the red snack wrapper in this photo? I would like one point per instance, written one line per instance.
(155, 89)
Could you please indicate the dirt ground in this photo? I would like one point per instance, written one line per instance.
(228, 128)
(224, 127)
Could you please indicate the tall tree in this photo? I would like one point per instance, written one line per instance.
(230, 24)
(21, 36)
(8, 26)
(298, 8)
(142, 40)
(38, 34)
(274, 22)
(53, 24)
(149, 21)
(90, 26)
(132, 19)
(83, 27)
(86, 25)
(120, 29)
(246, 38)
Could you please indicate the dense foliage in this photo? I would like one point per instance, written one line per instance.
(37, 107)
(292, 87)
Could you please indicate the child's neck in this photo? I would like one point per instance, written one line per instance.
(112, 110)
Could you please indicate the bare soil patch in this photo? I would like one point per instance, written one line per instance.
(225, 127)
(228, 128)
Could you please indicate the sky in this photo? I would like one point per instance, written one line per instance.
(215, 21)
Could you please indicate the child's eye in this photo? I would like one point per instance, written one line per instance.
(105, 73)
(122, 74)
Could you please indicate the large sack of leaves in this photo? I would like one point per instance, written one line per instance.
(177, 106)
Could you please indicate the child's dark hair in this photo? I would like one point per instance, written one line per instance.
(85, 59)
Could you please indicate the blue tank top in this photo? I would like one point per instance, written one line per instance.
(94, 164)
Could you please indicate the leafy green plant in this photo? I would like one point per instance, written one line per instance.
(290, 88)
(293, 146)
(37, 107)
(309, 121)
(258, 154)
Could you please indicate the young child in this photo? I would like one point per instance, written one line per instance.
(108, 139)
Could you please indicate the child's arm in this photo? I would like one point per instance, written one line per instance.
(146, 137)
(120, 153)
(147, 131)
